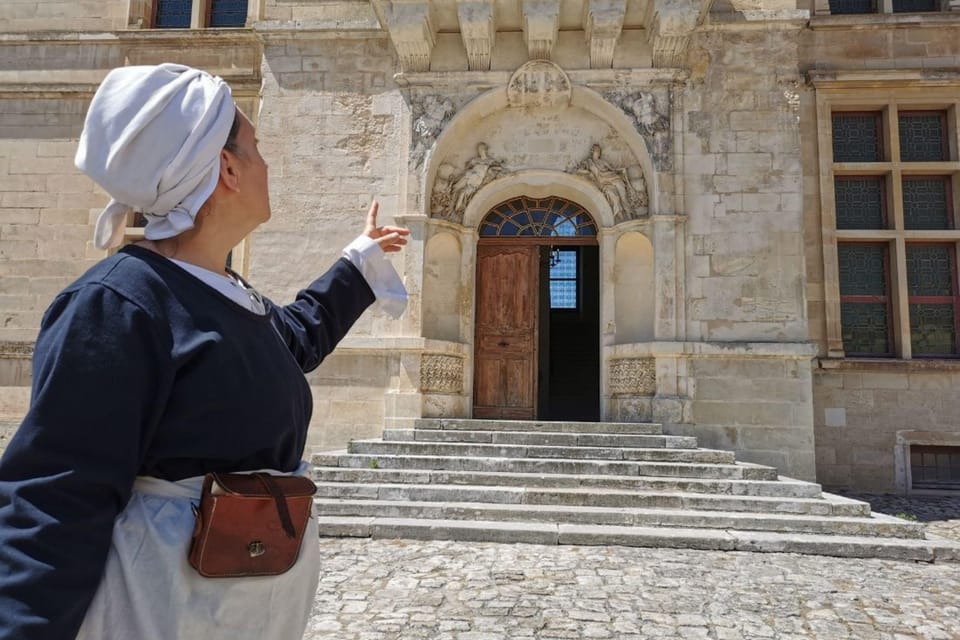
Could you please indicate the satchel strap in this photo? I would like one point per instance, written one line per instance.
(282, 510)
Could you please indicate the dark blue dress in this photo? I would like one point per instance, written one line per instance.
(142, 369)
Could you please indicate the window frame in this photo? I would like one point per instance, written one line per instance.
(890, 97)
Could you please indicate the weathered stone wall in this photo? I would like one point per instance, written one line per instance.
(861, 411)
(57, 15)
(330, 126)
(742, 187)
(45, 209)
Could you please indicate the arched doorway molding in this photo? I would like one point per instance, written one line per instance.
(537, 183)
(489, 103)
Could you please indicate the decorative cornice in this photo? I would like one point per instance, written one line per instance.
(882, 78)
(413, 31)
(478, 28)
(602, 23)
(541, 21)
(873, 21)
(670, 23)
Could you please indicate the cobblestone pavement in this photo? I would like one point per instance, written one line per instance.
(940, 513)
(403, 589)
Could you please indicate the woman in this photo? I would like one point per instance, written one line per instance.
(159, 365)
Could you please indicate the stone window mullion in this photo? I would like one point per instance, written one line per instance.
(828, 229)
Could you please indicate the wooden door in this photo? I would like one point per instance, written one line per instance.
(506, 339)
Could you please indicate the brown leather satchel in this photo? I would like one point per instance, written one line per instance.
(250, 524)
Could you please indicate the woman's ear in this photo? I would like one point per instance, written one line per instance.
(229, 171)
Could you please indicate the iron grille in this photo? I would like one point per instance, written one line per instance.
(857, 136)
(934, 467)
(923, 136)
(861, 202)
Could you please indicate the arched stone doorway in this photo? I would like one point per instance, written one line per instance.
(537, 323)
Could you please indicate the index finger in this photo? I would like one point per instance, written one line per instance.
(372, 214)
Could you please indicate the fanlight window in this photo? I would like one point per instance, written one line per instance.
(538, 218)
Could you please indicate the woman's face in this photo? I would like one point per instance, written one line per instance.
(254, 190)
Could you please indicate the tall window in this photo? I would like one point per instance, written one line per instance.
(845, 7)
(894, 176)
(184, 14)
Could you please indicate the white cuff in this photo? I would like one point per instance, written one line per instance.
(367, 256)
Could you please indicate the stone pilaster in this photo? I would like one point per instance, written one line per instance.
(541, 21)
(478, 26)
(602, 23)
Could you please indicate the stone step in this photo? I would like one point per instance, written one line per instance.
(737, 471)
(379, 447)
(931, 550)
(781, 488)
(593, 497)
(543, 438)
(876, 526)
(463, 424)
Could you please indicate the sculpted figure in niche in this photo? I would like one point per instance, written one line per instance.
(478, 171)
(614, 183)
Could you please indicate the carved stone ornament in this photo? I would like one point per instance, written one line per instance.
(650, 112)
(626, 194)
(441, 374)
(452, 191)
(431, 113)
(539, 83)
(633, 377)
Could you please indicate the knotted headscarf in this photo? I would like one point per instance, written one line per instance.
(152, 141)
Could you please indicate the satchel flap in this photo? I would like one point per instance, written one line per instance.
(249, 485)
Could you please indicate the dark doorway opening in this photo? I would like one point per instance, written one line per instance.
(569, 362)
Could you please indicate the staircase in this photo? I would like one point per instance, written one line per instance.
(592, 483)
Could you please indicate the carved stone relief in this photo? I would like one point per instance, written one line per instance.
(633, 377)
(431, 113)
(539, 83)
(627, 194)
(452, 190)
(441, 374)
(650, 112)
(16, 350)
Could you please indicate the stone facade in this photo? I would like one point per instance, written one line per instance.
(692, 133)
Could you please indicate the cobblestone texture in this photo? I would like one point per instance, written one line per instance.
(403, 589)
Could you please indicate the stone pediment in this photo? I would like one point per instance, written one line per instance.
(414, 27)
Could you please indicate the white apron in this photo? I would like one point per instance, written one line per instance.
(149, 591)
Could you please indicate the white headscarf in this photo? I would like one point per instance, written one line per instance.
(152, 141)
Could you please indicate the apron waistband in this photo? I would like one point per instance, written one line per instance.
(189, 488)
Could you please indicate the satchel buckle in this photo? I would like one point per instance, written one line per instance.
(256, 549)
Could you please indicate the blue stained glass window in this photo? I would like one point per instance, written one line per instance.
(228, 13)
(542, 218)
(563, 279)
(173, 14)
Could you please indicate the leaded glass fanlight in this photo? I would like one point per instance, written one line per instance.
(538, 218)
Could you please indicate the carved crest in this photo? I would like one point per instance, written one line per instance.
(539, 83)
